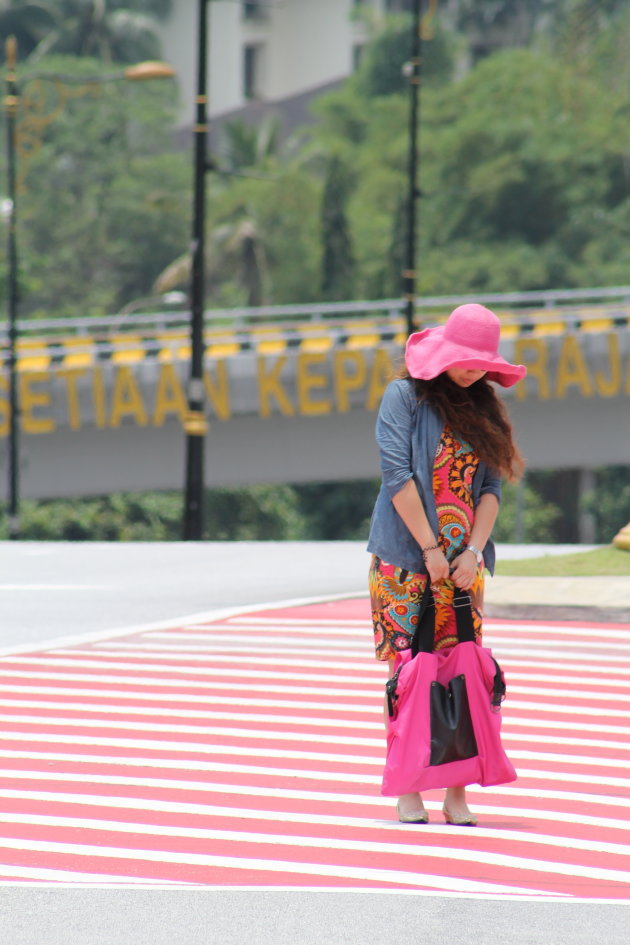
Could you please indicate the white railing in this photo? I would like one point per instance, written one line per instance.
(248, 327)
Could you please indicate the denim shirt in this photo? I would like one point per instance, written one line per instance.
(408, 434)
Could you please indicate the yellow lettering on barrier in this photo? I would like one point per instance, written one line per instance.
(5, 407)
(348, 380)
(169, 396)
(380, 376)
(536, 365)
(307, 382)
(126, 398)
(269, 386)
(218, 391)
(572, 369)
(98, 399)
(31, 399)
(71, 375)
(609, 386)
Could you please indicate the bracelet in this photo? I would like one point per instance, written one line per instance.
(426, 550)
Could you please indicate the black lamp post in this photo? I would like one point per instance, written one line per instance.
(11, 107)
(414, 73)
(195, 424)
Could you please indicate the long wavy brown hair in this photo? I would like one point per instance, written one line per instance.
(478, 415)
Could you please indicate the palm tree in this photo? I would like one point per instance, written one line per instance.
(109, 30)
(235, 249)
(28, 22)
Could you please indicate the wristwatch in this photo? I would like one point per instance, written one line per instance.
(478, 555)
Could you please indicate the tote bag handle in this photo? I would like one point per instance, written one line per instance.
(422, 641)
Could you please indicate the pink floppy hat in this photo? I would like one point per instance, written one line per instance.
(468, 339)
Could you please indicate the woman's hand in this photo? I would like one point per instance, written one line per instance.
(464, 570)
(436, 565)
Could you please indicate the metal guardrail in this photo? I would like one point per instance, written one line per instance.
(242, 329)
(319, 311)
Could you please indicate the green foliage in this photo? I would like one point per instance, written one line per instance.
(147, 517)
(256, 513)
(101, 211)
(110, 30)
(543, 512)
(335, 511)
(609, 502)
(381, 71)
(338, 260)
(526, 516)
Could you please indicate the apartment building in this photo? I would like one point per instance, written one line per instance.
(267, 51)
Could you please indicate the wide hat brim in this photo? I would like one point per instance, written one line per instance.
(469, 339)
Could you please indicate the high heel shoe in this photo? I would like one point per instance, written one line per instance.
(460, 820)
(414, 817)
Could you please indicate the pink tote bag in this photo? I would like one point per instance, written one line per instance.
(444, 725)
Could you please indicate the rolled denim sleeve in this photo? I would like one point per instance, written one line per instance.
(394, 427)
(491, 484)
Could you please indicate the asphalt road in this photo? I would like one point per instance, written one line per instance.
(52, 590)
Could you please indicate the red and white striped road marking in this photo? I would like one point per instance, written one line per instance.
(248, 750)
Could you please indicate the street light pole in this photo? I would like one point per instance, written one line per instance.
(11, 107)
(414, 73)
(195, 425)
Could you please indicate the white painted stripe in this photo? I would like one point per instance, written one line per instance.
(603, 631)
(541, 724)
(368, 660)
(365, 823)
(155, 707)
(291, 723)
(492, 625)
(263, 645)
(375, 686)
(321, 842)
(332, 628)
(312, 755)
(258, 647)
(373, 702)
(361, 674)
(314, 622)
(512, 663)
(608, 682)
(508, 736)
(168, 667)
(156, 702)
(218, 730)
(302, 774)
(573, 651)
(293, 867)
(355, 800)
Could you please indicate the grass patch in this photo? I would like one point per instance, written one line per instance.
(600, 562)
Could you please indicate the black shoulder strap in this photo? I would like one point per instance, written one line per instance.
(423, 638)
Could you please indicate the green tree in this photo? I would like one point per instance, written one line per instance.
(101, 210)
(109, 30)
(338, 260)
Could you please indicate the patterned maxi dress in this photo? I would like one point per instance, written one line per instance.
(396, 593)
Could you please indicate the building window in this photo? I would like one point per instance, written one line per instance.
(254, 10)
(252, 59)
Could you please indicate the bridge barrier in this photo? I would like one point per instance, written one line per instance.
(292, 391)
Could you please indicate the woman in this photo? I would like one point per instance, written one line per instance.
(445, 440)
